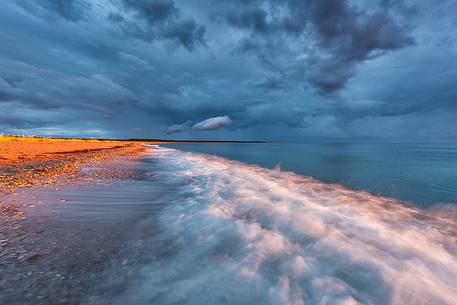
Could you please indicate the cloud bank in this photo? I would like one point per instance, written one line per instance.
(281, 69)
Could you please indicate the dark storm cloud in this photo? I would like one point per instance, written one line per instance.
(155, 12)
(278, 69)
(45, 89)
(188, 33)
(270, 114)
(153, 19)
(73, 10)
(135, 61)
(334, 36)
(160, 20)
(273, 82)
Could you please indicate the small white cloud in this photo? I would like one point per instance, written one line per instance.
(208, 124)
(213, 123)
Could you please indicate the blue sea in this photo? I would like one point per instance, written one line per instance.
(291, 224)
(422, 174)
(335, 224)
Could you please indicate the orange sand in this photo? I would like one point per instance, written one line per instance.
(26, 163)
(14, 152)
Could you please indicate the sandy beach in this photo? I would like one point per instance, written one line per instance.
(30, 162)
(47, 242)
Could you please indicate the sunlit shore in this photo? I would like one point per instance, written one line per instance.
(27, 162)
(36, 248)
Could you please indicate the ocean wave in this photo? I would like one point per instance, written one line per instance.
(242, 234)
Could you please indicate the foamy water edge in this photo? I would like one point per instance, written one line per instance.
(249, 235)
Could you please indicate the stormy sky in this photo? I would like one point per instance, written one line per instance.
(289, 70)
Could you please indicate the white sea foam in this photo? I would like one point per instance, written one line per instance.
(242, 234)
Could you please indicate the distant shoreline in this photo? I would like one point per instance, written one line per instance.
(197, 141)
(39, 138)
(34, 162)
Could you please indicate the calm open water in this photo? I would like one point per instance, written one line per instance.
(423, 174)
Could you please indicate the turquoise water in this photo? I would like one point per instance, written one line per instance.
(195, 228)
(234, 233)
(423, 174)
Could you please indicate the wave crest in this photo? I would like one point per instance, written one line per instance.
(247, 235)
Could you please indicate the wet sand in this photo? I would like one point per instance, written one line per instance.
(79, 250)
(62, 222)
(29, 163)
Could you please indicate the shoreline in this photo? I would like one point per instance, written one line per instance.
(28, 163)
(19, 151)
(71, 237)
(127, 223)
(49, 242)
